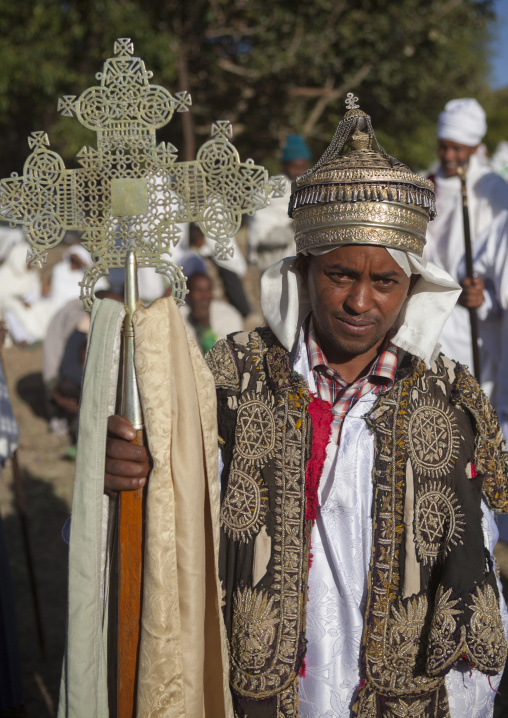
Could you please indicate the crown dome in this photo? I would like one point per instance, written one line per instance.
(356, 192)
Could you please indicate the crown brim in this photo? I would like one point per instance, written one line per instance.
(386, 224)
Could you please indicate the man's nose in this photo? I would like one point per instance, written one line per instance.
(359, 298)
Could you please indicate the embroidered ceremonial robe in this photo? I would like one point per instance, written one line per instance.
(438, 449)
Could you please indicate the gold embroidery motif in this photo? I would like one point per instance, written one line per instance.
(486, 639)
(279, 369)
(254, 628)
(255, 430)
(365, 704)
(444, 646)
(222, 365)
(287, 701)
(289, 551)
(438, 524)
(405, 631)
(244, 507)
(432, 439)
(257, 348)
(414, 709)
(490, 460)
(389, 420)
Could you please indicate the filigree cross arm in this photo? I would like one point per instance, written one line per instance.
(131, 192)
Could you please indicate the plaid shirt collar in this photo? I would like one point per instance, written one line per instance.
(333, 388)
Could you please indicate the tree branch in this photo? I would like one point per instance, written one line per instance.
(229, 66)
(334, 94)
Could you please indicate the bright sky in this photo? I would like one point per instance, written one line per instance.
(499, 76)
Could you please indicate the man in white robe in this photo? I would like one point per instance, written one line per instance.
(270, 235)
(461, 127)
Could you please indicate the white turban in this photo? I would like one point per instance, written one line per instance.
(462, 121)
(285, 303)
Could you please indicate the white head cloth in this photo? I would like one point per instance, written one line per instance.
(462, 121)
(285, 303)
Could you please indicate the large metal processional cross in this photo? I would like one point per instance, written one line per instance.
(130, 192)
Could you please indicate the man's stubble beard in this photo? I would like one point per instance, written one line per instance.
(352, 348)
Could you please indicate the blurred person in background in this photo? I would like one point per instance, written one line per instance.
(461, 128)
(8, 238)
(226, 274)
(17, 279)
(270, 234)
(208, 319)
(63, 360)
(28, 318)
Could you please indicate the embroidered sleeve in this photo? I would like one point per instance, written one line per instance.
(221, 363)
(490, 458)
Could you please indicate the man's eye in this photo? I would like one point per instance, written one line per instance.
(338, 276)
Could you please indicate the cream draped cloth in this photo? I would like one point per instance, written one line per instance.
(183, 667)
(183, 663)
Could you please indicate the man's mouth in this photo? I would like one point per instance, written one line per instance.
(355, 327)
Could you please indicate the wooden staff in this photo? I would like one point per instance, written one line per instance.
(473, 317)
(130, 518)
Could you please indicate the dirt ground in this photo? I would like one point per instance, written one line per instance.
(47, 479)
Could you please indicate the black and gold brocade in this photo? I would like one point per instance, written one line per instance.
(432, 596)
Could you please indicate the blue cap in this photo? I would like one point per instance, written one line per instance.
(295, 149)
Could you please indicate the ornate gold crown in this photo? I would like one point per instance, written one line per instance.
(361, 196)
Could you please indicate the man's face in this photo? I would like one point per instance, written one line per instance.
(199, 297)
(356, 294)
(453, 155)
(295, 168)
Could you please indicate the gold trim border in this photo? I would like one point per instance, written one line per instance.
(377, 236)
(393, 215)
(386, 223)
(355, 175)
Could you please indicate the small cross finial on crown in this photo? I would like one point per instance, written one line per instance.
(351, 101)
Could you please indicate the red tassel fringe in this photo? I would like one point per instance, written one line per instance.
(468, 664)
(321, 414)
(493, 689)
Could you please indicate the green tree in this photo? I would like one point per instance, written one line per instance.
(269, 66)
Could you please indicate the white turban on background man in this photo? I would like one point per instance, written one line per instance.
(462, 121)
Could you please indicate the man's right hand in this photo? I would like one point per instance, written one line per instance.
(472, 292)
(127, 465)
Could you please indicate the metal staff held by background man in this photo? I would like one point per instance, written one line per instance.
(473, 317)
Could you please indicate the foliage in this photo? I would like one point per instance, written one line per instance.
(496, 107)
(269, 66)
